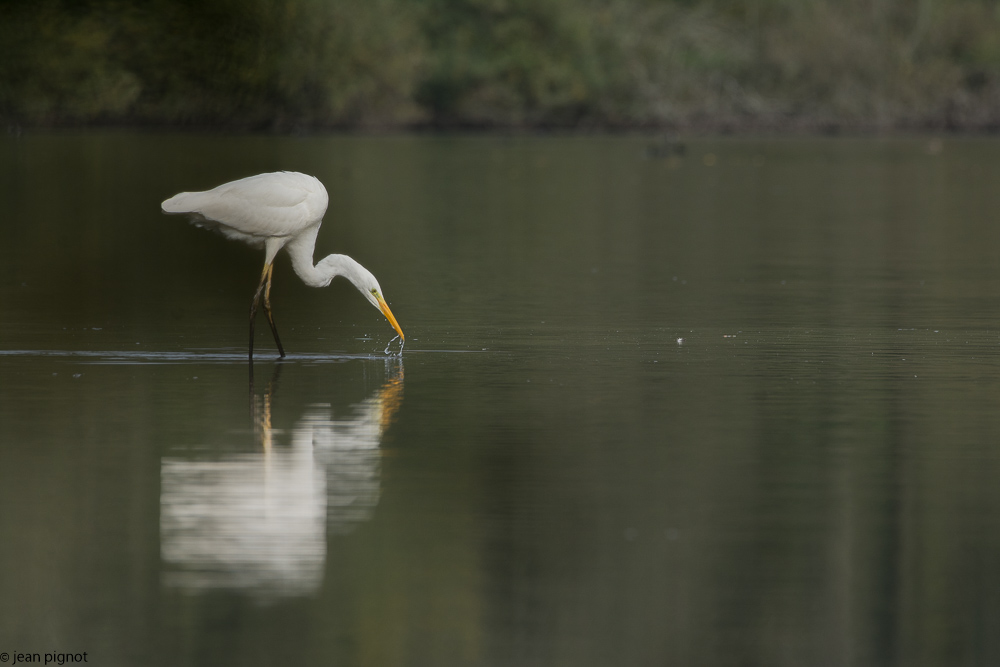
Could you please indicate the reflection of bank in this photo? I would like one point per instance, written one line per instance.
(258, 521)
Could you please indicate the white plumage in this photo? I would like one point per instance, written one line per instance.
(279, 210)
(256, 208)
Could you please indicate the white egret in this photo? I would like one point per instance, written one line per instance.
(274, 211)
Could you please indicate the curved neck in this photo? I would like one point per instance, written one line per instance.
(325, 270)
(300, 250)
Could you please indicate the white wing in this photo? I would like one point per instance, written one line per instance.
(280, 204)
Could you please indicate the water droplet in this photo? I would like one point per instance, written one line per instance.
(401, 344)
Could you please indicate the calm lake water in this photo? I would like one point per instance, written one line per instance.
(731, 402)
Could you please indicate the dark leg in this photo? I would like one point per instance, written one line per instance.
(267, 310)
(253, 305)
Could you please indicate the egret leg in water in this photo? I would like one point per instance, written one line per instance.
(274, 211)
(265, 287)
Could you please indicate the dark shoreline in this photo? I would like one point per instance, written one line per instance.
(701, 129)
(827, 67)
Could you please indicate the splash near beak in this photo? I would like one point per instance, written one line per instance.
(384, 307)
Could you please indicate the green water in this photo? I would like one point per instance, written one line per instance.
(735, 405)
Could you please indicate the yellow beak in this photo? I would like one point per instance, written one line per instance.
(384, 307)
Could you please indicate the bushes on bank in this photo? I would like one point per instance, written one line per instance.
(287, 64)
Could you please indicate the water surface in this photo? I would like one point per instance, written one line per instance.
(735, 404)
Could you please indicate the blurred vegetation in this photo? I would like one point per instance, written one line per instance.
(290, 64)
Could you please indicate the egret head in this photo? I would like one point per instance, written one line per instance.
(374, 295)
(366, 283)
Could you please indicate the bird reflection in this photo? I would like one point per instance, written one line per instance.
(258, 521)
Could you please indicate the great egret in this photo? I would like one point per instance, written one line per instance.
(274, 211)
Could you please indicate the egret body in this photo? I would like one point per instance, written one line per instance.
(274, 211)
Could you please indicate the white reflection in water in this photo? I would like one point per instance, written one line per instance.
(258, 522)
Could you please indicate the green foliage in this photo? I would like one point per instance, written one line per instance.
(247, 63)
(506, 62)
(285, 64)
